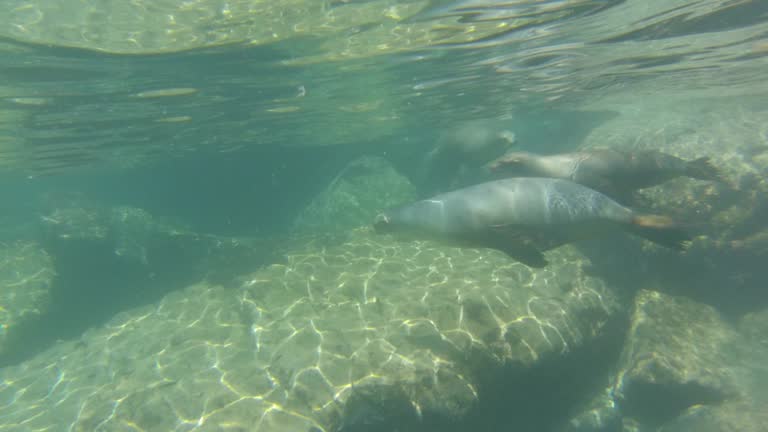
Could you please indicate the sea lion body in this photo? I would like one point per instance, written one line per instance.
(521, 217)
(613, 172)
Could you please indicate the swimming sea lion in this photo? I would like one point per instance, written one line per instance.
(461, 152)
(615, 173)
(524, 217)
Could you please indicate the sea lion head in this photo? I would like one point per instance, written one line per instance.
(507, 137)
(382, 224)
(410, 221)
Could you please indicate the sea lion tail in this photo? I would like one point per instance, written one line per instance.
(661, 230)
(702, 169)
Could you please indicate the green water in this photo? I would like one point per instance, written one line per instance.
(188, 188)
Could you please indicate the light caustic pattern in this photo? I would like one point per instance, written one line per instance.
(26, 273)
(296, 342)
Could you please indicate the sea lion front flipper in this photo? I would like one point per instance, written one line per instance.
(525, 253)
(518, 246)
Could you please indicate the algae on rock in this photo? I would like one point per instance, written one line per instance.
(363, 188)
(678, 354)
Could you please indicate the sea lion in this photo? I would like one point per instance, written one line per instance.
(523, 217)
(461, 152)
(616, 173)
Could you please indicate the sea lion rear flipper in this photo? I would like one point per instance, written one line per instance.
(662, 231)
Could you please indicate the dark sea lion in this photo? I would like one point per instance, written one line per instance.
(615, 173)
(524, 217)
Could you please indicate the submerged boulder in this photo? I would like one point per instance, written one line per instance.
(353, 336)
(754, 326)
(26, 277)
(738, 416)
(724, 264)
(745, 414)
(683, 369)
(678, 354)
(601, 414)
(107, 260)
(140, 246)
(352, 199)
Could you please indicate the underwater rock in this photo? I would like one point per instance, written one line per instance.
(684, 369)
(724, 265)
(352, 336)
(746, 413)
(754, 327)
(739, 416)
(79, 223)
(600, 415)
(678, 354)
(26, 276)
(111, 259)
(352, 199)
(145, 246)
